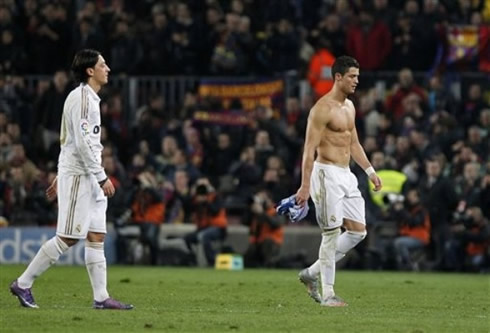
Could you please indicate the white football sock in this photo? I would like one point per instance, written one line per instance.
(97, 269)
(47, 255)
(327, 261)
(345, 242)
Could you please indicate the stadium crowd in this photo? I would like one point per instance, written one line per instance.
(237, 37)
(430, 144)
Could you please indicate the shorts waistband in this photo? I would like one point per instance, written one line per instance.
(331, 166)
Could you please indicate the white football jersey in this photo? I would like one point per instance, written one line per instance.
(81, 149)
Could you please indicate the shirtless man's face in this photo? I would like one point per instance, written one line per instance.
(349, 81)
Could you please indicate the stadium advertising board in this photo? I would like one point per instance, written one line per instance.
(20, 245)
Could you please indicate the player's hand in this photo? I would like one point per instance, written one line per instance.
(52, 190)
(302, 196)
(376, 182)
(108, 188)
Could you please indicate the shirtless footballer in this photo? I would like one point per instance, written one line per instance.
(332, 135)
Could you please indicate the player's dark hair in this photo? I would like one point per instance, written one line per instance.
(342, 65)
(84, 59)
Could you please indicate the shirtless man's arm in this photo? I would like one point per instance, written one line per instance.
(359, 156)
(314, 129)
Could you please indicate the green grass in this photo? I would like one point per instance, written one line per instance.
(205, 300)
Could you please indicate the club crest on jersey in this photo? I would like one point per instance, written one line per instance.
(85, 127)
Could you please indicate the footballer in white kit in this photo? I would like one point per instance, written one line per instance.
(82, 203)
(82, 187)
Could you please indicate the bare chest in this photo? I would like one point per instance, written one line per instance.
(341, 120)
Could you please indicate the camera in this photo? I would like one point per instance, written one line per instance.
(202, 189)
(464, 219)
(393, 198)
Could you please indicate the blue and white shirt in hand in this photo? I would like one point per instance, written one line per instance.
(295, 212)
(81, 149)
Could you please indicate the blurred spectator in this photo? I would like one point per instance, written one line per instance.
(283, 45)
(209, 216)
(440, 199)
(87, 35)
(320, 69)
(180, 161)
(411, 106)
(234, 44)
(414, 229)
(147, 211)
(402, 89)
(185, 34)
(263, 148)
(385, 12)
(266, 231)
(17, 158)
(12, 57)
(366, 35)
(5, 149)
(476, 141)
(370, 145)
(116, 173)
(403, 153)
(462, 155)
(440, 98)
(275, 179)
(150, 120)
(23, 200)
(168, 147)
(246, 175)
(485, 192)
(467, 185)
(407, 43)
(115, 128)
(157, 44)
(422, 146)
(472, 106)
(182, 197)
(194, 147)
(331, 32)
(51, 38)
(126, 55)
(467, 246)
(430, 26)
(220, 155)
(49, 109)
(16, 101)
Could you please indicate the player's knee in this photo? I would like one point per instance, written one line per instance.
(96, 237)
(358, 234)
(354, 226)
(68, 241)
(94, 245)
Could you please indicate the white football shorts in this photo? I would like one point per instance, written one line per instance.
(82, 206)
(335, 193)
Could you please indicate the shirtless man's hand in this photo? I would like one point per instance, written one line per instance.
(302, 196)
(376, 182)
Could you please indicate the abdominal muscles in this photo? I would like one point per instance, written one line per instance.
(334, 148)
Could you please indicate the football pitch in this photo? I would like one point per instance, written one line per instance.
(206, 300)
